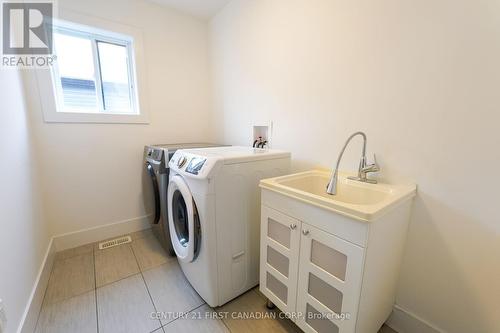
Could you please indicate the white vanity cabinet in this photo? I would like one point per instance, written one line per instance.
(329, 272)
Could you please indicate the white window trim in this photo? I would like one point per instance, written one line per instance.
(109, 30)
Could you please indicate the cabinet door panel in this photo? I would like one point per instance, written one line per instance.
(330, 272)
(279, 258)
(330, 260)
(279, 232)
(319, 324)
(279, 261)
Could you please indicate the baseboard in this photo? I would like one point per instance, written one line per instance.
(30, 316)
(91, 235)
(404, 321)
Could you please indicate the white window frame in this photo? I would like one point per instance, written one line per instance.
(49, 83)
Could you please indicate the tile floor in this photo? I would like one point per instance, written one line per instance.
(118, 289)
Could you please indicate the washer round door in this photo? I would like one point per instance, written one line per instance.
(183, 220)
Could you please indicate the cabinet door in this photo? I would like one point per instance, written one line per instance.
(279, 258)
(330, 273)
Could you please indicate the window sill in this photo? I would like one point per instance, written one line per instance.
(102, 118)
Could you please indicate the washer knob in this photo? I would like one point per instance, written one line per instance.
(182, 160)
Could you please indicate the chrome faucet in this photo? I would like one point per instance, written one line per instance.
(363, 169)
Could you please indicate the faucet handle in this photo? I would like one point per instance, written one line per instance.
(372, 167)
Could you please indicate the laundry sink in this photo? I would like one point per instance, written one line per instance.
(355, 199)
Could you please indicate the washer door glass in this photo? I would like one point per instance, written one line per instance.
(180, 218)
(183, 220)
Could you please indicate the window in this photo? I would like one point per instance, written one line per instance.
(98, 75)
(93, 72)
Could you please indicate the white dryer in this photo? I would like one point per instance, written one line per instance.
(214, 216)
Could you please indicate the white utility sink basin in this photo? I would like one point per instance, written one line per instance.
(355, 199)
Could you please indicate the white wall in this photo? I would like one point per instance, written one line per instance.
(92, 172)
(422, 79)
(23, 232)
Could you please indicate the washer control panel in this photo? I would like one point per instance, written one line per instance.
(181, 161)
(195, 165)
(191, 164)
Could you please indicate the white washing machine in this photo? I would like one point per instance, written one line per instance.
(156, 159)
(214, 216)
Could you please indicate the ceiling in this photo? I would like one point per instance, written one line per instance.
(200, 8)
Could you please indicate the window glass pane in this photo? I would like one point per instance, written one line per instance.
(115, 77)
(76, 70)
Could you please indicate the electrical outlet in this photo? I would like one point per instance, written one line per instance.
(3, 318)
